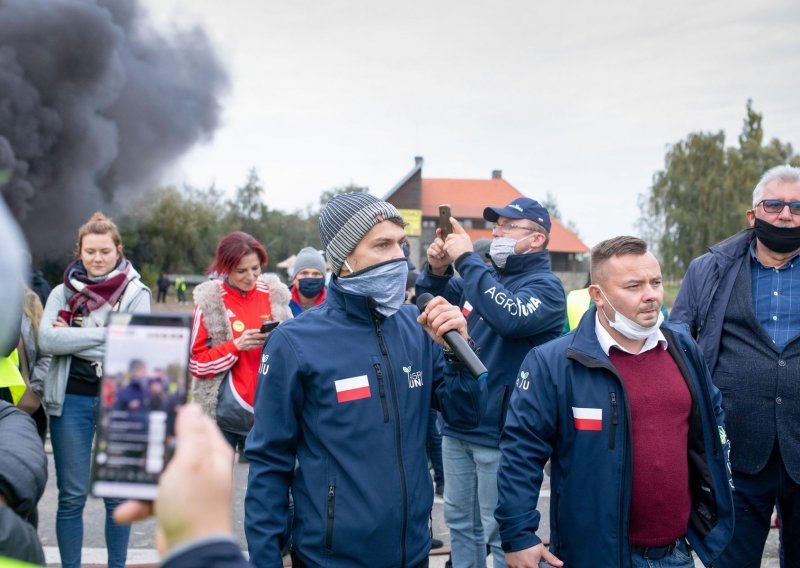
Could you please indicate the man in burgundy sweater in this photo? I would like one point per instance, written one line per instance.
(626, 408)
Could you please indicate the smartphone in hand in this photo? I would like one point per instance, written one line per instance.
(268, 326)
(144, 381)
(445, 225)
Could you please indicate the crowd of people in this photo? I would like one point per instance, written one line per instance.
(666, 440)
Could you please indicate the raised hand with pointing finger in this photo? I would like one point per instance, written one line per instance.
(458, 242)
(442, 253)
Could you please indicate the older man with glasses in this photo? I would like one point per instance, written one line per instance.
(741, 302)
(511, 306)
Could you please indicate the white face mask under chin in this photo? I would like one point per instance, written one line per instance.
(629, 328)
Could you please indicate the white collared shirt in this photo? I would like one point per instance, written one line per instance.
(607, 342)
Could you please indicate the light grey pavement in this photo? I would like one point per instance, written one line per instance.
(142, 547)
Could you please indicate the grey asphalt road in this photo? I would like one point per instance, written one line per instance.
(142, 545)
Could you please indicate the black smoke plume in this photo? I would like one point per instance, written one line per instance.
(94, 104)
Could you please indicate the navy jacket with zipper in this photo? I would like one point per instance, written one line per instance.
(362, 491)
(706, 290)
(592, 470)
(512, 310)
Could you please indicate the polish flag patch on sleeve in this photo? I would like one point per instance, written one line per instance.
(587, 418)
(465, 311)
(353, 388)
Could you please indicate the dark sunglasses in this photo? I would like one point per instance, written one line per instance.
(776, 206)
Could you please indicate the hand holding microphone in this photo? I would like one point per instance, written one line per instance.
(443, 321)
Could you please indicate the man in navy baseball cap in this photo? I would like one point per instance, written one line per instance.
(520, 208)
(519, 304)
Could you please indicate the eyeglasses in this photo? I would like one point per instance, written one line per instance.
(506, 228)
(776, 206)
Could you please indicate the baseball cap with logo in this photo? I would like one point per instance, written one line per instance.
(520, 208)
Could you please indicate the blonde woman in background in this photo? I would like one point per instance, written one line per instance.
(98, 281)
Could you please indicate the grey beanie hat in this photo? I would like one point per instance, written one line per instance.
(346, 219)
(308, 257)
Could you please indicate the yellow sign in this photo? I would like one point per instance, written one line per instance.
(413, 219)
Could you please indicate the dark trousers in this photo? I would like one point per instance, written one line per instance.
(162, 296)
(754, 497)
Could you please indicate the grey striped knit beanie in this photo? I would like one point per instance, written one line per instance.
(346, 219)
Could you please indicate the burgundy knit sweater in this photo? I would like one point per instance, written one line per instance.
(660, 405)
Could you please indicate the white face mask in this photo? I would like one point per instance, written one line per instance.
(628, 327)
(503, 247)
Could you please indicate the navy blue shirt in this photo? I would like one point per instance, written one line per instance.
(776, 298)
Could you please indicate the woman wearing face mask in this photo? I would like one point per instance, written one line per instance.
(98, 281)
(226, 336)
(308, 283)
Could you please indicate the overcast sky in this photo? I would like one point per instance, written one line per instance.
(579, 99)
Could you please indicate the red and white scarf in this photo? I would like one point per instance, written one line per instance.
(91, 294)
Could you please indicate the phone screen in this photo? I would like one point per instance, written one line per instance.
(144, 382)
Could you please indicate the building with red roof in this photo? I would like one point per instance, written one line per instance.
(418, 199)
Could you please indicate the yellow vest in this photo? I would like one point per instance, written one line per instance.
(578, 302)
(10, 376)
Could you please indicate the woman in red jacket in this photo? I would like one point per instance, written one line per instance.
(226, 341)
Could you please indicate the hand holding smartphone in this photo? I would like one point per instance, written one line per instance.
(445, 226)
(144, 382)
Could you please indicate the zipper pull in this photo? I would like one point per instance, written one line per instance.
(380, 337)
(331, 495)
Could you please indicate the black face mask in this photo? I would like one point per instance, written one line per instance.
(311, 287)
(778, 239)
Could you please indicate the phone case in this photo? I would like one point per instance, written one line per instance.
(444, 220)
(145, 378)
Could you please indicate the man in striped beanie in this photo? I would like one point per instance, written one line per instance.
(352, 229)
(344, 392)
(346, 219)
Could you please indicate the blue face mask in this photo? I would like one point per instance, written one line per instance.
(385, 283)
(311, 287)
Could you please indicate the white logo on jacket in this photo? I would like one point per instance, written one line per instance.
(514, 306)
(522, 381)
(414, 378)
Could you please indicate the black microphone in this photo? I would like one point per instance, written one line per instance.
(458, 345)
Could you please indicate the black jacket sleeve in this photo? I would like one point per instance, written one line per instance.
(23, 474)
(18, 538)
